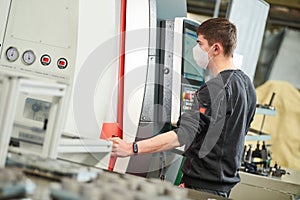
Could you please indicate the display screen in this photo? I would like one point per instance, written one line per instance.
(191, 71)
(193, 75)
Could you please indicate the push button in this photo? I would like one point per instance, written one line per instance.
(188, 96)
(62, 63)
(45, 60)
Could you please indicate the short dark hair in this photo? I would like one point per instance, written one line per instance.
(219, 30)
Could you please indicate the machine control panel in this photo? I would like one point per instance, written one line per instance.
(191, 75)
(35, 50)
(188, 96)
(29, 57)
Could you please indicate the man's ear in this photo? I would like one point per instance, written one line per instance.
(217, 48)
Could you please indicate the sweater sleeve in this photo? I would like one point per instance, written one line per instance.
(195, 121)
(189, 125)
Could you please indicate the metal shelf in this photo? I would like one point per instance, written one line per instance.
(261, 137)
(84, 146)
(265, 111)
(257, 137)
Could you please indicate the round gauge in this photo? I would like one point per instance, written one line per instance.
(12, 54)
(28, 57)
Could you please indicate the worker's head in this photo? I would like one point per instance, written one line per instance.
(220, 34)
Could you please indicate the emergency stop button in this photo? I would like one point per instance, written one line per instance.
(62, 63)
(45, 60)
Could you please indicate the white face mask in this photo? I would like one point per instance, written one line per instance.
(200, 56)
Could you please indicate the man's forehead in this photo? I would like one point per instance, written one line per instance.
(201, 38)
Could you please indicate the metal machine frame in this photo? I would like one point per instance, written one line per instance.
(53, 132)
(4, 99)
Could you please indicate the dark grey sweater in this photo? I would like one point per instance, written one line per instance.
(213, 132)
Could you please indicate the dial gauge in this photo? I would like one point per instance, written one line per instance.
(12, 54)
(28, 57)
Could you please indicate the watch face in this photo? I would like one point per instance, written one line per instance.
(135, 148)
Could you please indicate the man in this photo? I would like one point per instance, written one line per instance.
(213, 132)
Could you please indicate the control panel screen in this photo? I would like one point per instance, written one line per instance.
(190, 69)
(193, 76)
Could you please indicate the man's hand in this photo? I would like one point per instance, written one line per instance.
(121, 148)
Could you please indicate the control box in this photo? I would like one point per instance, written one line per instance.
(39, 39)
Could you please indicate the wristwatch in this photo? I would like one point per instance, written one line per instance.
(135, 148)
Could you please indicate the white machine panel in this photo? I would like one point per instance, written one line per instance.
(2, 97)
(40, 39)
(96, 73)
(4, 138)
(250, 19)
(137, 39)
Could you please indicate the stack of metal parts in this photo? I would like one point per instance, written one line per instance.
(62, 180)
(111, 186)
(12, 183)
(258, 161)
(51, 168)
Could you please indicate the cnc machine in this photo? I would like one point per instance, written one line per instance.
(73, 73)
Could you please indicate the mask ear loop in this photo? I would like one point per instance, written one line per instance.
(209, 59)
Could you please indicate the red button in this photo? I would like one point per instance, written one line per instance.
(45, 59)
(188, 96)
(62, 63)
